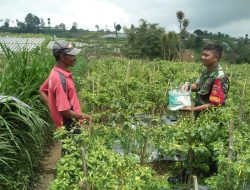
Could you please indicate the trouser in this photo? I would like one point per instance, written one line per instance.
(71, 125)
(72, 128)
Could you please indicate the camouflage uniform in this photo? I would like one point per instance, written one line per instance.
(212, 87)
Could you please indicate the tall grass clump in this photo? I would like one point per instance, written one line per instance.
(23, 129)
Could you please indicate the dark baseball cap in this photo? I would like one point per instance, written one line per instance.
(64, 47)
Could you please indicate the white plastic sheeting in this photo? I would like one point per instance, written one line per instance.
(16, 44)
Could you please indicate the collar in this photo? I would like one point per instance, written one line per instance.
(66, 73)
(214, 71)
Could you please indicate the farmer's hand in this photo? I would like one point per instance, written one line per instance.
(87, 117)
(187, 108)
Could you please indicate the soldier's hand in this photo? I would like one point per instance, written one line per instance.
(187, 108)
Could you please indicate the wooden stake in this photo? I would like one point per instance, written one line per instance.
(85, 169)
(230, 146)
(195, 182)
(242, 102)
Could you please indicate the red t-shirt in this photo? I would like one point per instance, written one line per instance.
(57, 98)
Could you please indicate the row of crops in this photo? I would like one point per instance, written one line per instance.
(131, 145)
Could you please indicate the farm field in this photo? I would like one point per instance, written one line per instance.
(131, 143)
(131, 146)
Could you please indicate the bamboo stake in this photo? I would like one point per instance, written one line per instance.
(230, 146)
(242, 102)
(195, 182)
(85, 169)
(93, 90)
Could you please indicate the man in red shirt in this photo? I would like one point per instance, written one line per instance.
(58, 91)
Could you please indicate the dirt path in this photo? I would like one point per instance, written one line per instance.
(49, 166)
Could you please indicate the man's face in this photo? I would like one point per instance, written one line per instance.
(209, 58)
(69, 60)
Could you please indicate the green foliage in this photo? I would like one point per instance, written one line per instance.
(23, 73)
(32, 22)
(243, 53)
(144, 41)
(118, 91)
(131, 87)
(106, 169)
(170, 43)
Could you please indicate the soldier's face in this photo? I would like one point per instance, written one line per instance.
(209, 58)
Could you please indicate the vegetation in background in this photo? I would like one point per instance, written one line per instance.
(144, 41)
(183, 24)
(148, 40)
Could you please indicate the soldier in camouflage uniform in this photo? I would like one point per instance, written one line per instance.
(212, 86)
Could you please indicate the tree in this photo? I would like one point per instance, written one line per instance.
(117, 29)
(243, 53)
(20, 24)
(246, 39)
(170, 45)
(164, 41)
(180, 16)
(42, 23)
(74, 27)
(199, 32)
(32, 22)
(49, 22)
(183, 24)
(144, 41)
(97, 27)
(1, 20)
(62, 26)
(7, 22)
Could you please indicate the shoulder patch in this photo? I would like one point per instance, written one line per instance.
(217, 95)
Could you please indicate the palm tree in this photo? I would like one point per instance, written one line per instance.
(180, 15)
(97, 27)
(183, 24)
(246, 39)
(49, 22)
(117, 29)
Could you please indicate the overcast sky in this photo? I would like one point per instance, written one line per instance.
(227, 16)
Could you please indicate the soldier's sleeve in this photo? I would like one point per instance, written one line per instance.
(219, 91)
(198, 82)
(225, 85)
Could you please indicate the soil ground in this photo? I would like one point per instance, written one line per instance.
(52, 155)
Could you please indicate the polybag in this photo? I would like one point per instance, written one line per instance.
(179, 97)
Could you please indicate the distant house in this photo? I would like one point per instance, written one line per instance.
(119, 35)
